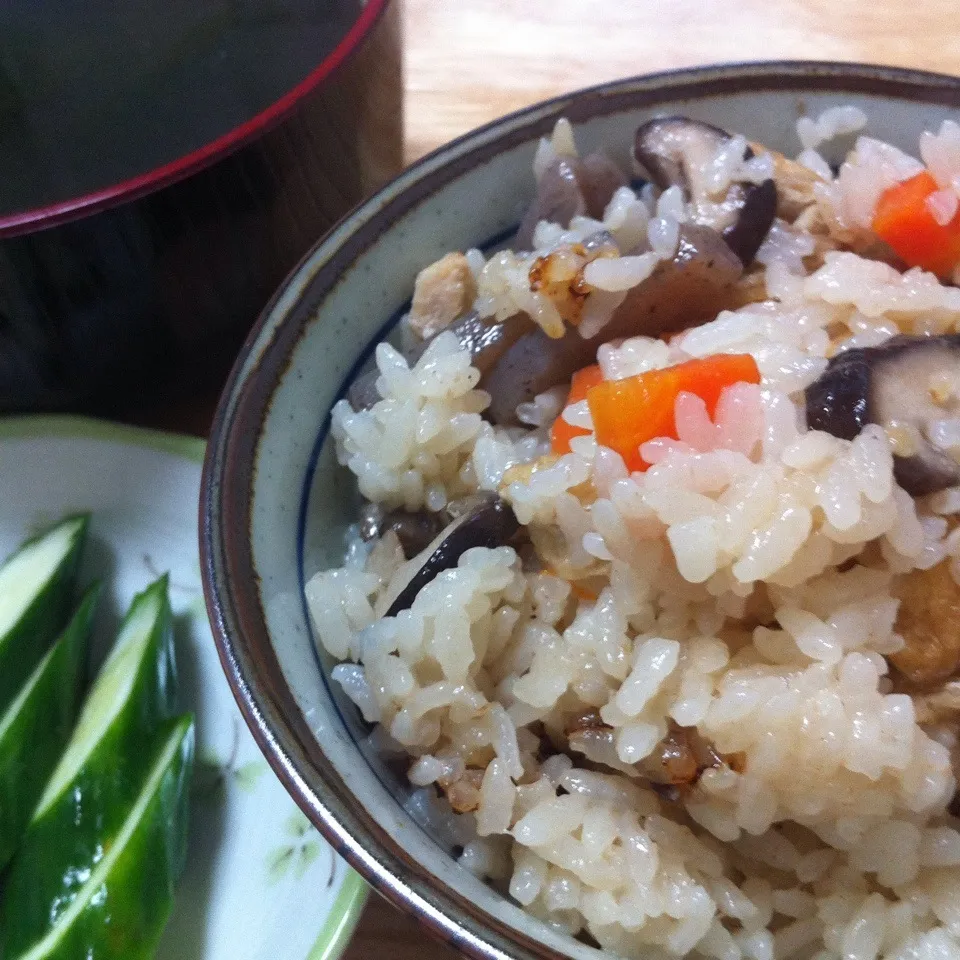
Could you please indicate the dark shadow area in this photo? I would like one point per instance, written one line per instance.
(100, 563)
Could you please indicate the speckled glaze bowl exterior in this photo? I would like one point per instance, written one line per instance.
(275, 504)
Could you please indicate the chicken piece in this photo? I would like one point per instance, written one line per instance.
(750, 288)
(553, 551)
(929, 621)
(800, 202)
(677, 762)
(940, 705)
(464, 794)
(795, 183)
(673, 761)
(830, 232)
(682, 756)
(813, 221)
(442, 292)
(523, 472)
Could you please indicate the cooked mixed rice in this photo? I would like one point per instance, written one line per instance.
(672, 656)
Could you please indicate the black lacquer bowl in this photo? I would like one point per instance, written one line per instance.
(162, 167)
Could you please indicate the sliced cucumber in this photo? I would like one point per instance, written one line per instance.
(36, 586)
(123, 904)
(133, 693)
(36, 726)
(91, 789)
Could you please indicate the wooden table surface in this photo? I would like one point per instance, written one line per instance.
(471, 61)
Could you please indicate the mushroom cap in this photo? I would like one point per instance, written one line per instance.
(676, 151)
(893, 385)
(488, 522)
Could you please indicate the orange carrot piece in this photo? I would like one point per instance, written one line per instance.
(562, 432)
(627, 413)
(904, 221)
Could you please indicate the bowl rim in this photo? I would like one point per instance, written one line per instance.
(166, 174)
(229, 578)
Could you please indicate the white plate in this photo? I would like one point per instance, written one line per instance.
(260, 883)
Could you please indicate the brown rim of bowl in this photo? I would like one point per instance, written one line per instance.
(229, 578)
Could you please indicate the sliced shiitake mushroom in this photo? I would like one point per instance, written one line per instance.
(677, 762)
(489, 522)
(487, 341)
(362, 394)
(675, 151)
(568, 188)
(756, 204)
(415, 529)
(907, 386)
(517, 360)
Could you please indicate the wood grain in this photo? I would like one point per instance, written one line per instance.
(386, 934)
(471, 61)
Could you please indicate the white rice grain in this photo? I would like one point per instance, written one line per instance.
(729, 613)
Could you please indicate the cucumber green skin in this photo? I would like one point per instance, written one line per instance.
(25, 644)
(33, 742)
(64, 844)
(125, 918)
